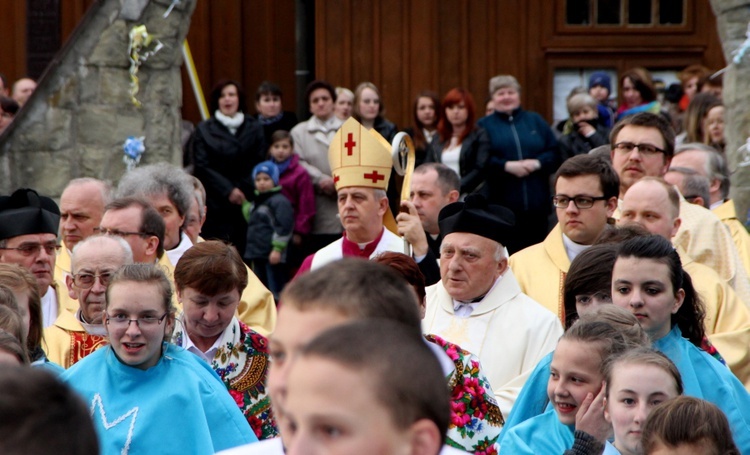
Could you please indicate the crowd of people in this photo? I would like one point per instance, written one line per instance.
(266, 301)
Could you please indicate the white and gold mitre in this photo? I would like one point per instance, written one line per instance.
(359, 157)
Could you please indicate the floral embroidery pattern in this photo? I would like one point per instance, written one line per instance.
(476, 420)
(242, 364)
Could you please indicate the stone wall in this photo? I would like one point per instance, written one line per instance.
(732, 18)
(77, 120)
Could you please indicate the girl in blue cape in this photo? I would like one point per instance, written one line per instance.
(648, 280)
(575, 382)
(147, 396)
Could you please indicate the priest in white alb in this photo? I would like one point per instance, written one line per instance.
(478, 303)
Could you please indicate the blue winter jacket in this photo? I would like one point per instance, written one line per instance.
(518, 136)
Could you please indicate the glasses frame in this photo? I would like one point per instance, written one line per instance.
(37, 247)
(575, 202)
(119, 233)
(632, 146)
(95, 275)
(159, 320)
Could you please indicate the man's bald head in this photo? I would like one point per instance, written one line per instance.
(81, 209)
(654, 204)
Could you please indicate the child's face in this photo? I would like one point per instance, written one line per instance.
(281, 150)
(714, 126)
(575, 372)
(269, 105)
(643, 286)
(319, 421)
(294, 329)
(599, 93)
(634, 390)
(263, 182)
(585, 113)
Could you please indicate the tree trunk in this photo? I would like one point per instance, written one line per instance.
(732, 18)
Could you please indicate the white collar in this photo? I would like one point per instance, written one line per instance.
(572, 248)
(464, 309)
(91, 329)
(716, 204)
(325, 126)
(176, 253)
(49, 307)
(208, 355)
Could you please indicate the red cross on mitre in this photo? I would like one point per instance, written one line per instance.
(336, 179)
(350, 144)
(374, 176)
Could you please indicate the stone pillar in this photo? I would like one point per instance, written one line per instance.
(76, 121)
(732, 18)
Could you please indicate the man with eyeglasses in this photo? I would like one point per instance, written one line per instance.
(136, 221)
(643, 146)
(94, 261)
(28, 237)
(654, 204)
(586, 189)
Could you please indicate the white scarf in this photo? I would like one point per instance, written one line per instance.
(232, 123)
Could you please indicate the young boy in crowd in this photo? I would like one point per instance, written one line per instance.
(297, 186)
(394, 387)
(587, 132)
(269, 228)
(600, 87)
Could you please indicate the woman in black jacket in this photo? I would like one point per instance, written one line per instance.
(226, 148)
(461, 145)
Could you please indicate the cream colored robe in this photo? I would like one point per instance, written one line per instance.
(508, 331)
(727, 213)
(541, 270)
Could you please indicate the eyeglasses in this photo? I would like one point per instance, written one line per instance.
(120, 321)
(118, 233)
(30, 249)
(692, 197)
(645, 149)
(87, 280)
(581, 202)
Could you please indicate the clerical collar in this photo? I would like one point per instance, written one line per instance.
(717, 204)
(572, 248)
(464, 309)
(176, 253)
(350, 248)
(91, 329)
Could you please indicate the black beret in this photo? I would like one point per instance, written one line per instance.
(26, 212)
(476, 216)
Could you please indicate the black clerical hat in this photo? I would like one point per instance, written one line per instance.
(476, 216)
(26, 212)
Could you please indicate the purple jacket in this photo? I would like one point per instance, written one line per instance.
(298, 188)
